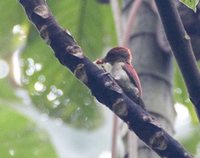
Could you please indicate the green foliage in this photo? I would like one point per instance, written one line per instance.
(6, 91)
(191, 142)
(190, 3)
(20, 138)
(11, 15)
(51, 86)
(89, 22)
(181, 94)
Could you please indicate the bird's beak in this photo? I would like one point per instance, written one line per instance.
(99, 61)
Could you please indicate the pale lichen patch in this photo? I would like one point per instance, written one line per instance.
(45, 34)
(69, 33)
(80, 73)
(75, 50)
(150, 119)
(157, 141)
(187, 37)
(42, 11)
(108, 83)
(120, 107)
(187, 155)
(146, 118)
(111, 84)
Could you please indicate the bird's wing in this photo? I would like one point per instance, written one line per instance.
(133, 76)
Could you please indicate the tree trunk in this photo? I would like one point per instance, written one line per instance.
(155, 69)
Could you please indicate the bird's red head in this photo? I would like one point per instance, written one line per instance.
(118, 54)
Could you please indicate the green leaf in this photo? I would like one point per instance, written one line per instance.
(190, 4)
(7, 92)
(20, 137)
(11, 15)
(181, 94)
(12, 21)
(192, 140)
(90, 23)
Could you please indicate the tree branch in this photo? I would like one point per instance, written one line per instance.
(181, 47)
(101, 84)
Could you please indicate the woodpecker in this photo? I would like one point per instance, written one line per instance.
(118, 63)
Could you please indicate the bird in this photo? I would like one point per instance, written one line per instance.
(117, 62)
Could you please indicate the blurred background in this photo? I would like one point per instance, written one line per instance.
(45, 112)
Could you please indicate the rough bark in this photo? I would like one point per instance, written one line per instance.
(101, 84)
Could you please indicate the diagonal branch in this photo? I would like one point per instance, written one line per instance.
(181, 47)
(101, 84)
